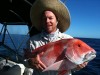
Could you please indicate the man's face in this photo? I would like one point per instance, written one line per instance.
(49, 21)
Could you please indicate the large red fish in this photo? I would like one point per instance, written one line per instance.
(63, 55)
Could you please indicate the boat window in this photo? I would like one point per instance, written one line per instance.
(13, 39)
(18, 29)
(1, 30)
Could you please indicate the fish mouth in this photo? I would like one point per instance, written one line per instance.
(90, 56)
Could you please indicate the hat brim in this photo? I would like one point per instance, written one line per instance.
(57, 7)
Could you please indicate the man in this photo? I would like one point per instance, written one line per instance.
(51, 18)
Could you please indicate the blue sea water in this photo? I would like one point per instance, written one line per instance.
(93, 67)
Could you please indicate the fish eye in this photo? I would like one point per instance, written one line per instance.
(79, 45)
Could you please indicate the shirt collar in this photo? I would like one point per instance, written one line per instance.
(49, 36)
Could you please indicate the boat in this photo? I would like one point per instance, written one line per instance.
(14, 13)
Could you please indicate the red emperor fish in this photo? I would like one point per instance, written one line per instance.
(63, 55)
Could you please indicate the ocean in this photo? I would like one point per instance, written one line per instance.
(93, 67)
(14, 45)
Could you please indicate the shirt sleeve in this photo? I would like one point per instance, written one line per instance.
(31, 45)
(33, 42)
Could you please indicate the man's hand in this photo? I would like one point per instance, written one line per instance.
(36, 63)
(81, 66)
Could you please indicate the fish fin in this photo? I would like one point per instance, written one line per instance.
(54, 67)
(64, 72)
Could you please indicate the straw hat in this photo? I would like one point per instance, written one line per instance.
(57, 7)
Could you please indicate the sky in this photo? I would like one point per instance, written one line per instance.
(16, 29)
(85, 19)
